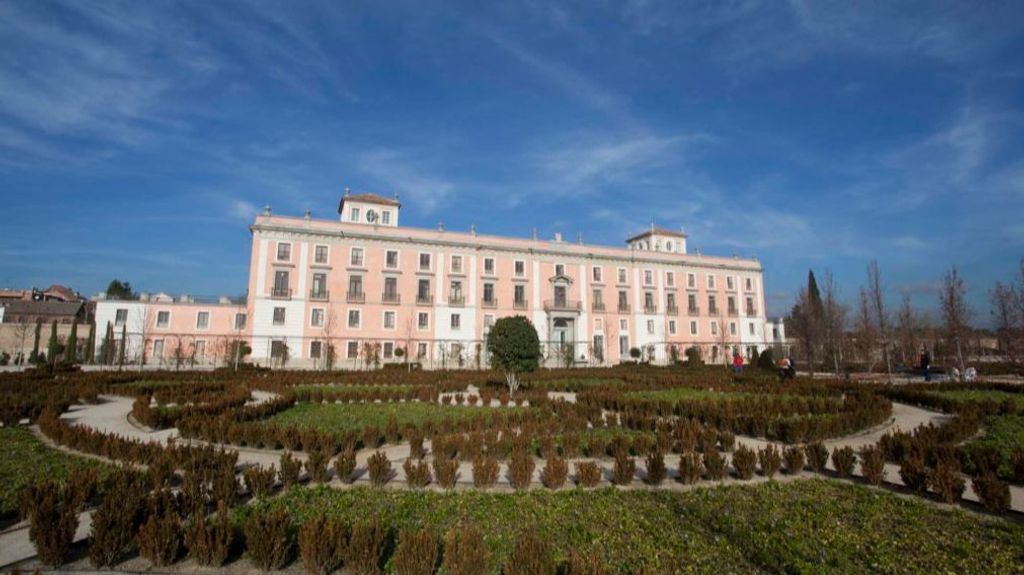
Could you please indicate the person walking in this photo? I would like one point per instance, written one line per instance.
(737, 363)
(926, 365)
(784, 366)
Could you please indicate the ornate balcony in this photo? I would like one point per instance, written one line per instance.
(281, 293)
(623, 307)
(355, 297)
(457, 300)
(562, 305)
(650, 308)
(672, 310)
(319, 295)
(520, 304)
(598, 306)
(751, 312)
(693, 310)
(424, 299)
(391, 297)
(491, 303)
(733, 312)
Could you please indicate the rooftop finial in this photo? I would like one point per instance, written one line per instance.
(348, 191)
(440, 226)
(308, 214)
(266, 210)
(534, 233)
(472, 229)
(579, 238)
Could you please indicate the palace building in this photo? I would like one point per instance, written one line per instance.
(363, 290)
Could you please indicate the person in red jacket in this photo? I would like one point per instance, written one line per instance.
(737, 363)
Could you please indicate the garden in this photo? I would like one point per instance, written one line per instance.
(622, 470)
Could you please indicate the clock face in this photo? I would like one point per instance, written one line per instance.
(371, 216)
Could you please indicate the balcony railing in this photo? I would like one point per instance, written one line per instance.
(319, 294)
(651, 308)
(751, 312)
(598, 306)
(623, 307)
(672, 309)
(459, 300)
(713, 311)
(693, 310)
(424, 299)
(562, 305)
(281, 293)
(733, 312)
(391, 297)
(493, 302)
(355, 297)
(519, 304)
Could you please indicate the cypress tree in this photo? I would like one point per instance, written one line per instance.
(71, 349)
(124, 345)
(33, 358)
(106, 353)
(90, 344)
(51, 348)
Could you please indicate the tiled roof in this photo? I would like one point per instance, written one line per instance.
(657, 231)
(369, 199)
(51, 308)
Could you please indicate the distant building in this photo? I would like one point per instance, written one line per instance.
(361, 287)
(46, 311)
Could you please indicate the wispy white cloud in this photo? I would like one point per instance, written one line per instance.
(397, 172)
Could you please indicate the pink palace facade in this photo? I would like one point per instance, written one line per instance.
(362, 289)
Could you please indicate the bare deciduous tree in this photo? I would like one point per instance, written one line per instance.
(876, 293)
(864, 330)
(907, 330)
(1004, 312)
(833, 322)
(956, 314)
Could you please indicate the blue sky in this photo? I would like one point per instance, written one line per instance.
(138, 139)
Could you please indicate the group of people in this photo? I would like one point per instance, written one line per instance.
(787, 367)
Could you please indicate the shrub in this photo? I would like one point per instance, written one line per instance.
(872, 464)
(268, 540)
(345, 465)
(946, 480)
(589, 564)
(417, 473)
(290, 468)
(417, 553)
(1017, 464)
(366, 548)
(259, 480)
(690, 467)
(624, 468)
(322, 544)
(770, 460)
(556, 469)
(225, 483)
(817, 456)
(914, 474)
(465, 552)
(794, 456)
(532, 555)
(160, 535)
(379, 468)
(485, 471)
(993, 493)
(588, 474)
(656, 471)
(116, 519)
(209, 543)
(446, 471)
(843, 459)
(316, 465)
(728, 440)
(52, 511)
(714, 464)
(744, 461)
(415, 443)
(520, 470)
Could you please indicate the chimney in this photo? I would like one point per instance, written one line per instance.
(558, 236)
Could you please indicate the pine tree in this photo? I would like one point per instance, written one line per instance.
(106, 352)
(51, 347)
(90, 345)
(124, 346)
(34, 357)
(71, 349)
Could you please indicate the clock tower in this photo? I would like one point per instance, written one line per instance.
(369, 209)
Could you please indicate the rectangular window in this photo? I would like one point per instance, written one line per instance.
(203, 320)
(455, 291)
(597, 273)
(163, 319)
(730, 283)
(753, 330)
(559, 269)
(623, 324)
(385, 217)
(391, 290)
(425, 262)
(712, 305)
(730, 303)
(281, 284)
(421, 350)
(693, 328)
(355, 286)
(278, 316)
(648, 277)
(319, 289)
(670, 279)
(158, 348)
(488, 321)
(389, 350)
(356, 257)
(391, 259)
(623, 346)
(622, 275)
(355, 214)
(691, 281)
(598, 298)
(519, 293)
(200, 349)
(671, 327)
(423, 290)
(489, 266)
(520, 268)
(320, 254)
(121, 316)
(649, 302)
(732, 328)
(456, 264)
(714, 327)
(670, 302)
(623, 301)
(284, 252)
(456, 321)
(389, 320)
(488, 293)
(315, 348)
(750, 284)
(750, 305)
(650, 326)
(317, 317)
(711, 281)
(422, 320)
(353, 349)
(354, 318)
(278, 348)
(240, 321)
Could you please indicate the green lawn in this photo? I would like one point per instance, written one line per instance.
(806, 526)
(23, 458)
(1004, 433)
(345, 417)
